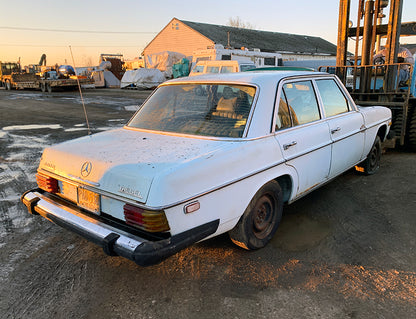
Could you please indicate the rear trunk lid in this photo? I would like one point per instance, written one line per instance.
(123, 161)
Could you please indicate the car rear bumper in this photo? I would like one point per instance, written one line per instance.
(114, 241)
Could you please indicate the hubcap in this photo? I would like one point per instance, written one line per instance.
(263, 216)
(374, 157)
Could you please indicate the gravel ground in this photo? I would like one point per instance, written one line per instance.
(346, 250)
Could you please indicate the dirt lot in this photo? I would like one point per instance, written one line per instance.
(348, 250)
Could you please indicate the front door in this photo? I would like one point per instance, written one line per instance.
(345, 125)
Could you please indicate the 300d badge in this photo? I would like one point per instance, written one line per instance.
(129, 191)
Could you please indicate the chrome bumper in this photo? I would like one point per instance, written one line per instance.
(114, 241)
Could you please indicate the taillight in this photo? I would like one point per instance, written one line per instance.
(47, 183)
(151, 221)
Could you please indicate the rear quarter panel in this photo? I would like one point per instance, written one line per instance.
(223, 183)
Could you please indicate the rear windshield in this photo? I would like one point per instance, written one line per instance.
(206, 110)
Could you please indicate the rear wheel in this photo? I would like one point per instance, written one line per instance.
(261, 218)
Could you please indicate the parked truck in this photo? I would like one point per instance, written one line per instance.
(6, 71)
(12, 77)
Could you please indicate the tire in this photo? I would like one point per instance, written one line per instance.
(8, 85)
(372, 162)
(48, 88)
(261, 218)
(43, 87)
(397, 124)
(412, 131)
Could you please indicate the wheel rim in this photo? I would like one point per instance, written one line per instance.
(263, 216)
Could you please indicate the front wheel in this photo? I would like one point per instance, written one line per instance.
(261, 218)
(372, 163)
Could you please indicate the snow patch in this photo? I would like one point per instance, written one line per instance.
(32, 127)
(75, 129)
(133, 108)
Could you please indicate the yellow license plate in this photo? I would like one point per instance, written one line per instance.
(89, 200)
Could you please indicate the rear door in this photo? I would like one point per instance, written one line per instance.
(302, 134)
(346, 126)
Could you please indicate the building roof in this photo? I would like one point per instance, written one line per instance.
(264, 40)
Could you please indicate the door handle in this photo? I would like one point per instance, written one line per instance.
(335, 130)
(286, 146)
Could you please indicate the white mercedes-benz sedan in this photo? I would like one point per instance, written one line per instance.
(204, 156)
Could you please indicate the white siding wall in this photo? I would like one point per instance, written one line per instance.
(301, 57)
(177, 37)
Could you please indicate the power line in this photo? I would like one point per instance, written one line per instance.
(76, 31)
(65, 46)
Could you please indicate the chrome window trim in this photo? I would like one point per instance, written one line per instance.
(351, 105)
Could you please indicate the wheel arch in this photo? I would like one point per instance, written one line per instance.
(382, 132)
(286, 184)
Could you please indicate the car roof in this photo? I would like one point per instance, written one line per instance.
(252, 77)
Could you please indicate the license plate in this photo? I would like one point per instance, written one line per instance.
(89, 200)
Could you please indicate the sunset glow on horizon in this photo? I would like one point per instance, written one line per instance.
(94, 27)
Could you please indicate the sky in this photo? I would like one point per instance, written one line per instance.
(127, 26)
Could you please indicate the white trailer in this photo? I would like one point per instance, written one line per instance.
(218, 52)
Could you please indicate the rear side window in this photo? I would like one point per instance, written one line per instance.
(334, 102)
(283, 114)
(301, 102)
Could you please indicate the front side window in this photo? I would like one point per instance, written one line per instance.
(270, 61)
(301, 101)
(245, 67)
(213, 69)
(197, 109)
(334, 102)
(226, 69)
(198, 69)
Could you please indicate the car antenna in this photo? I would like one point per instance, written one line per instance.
(80, 93)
